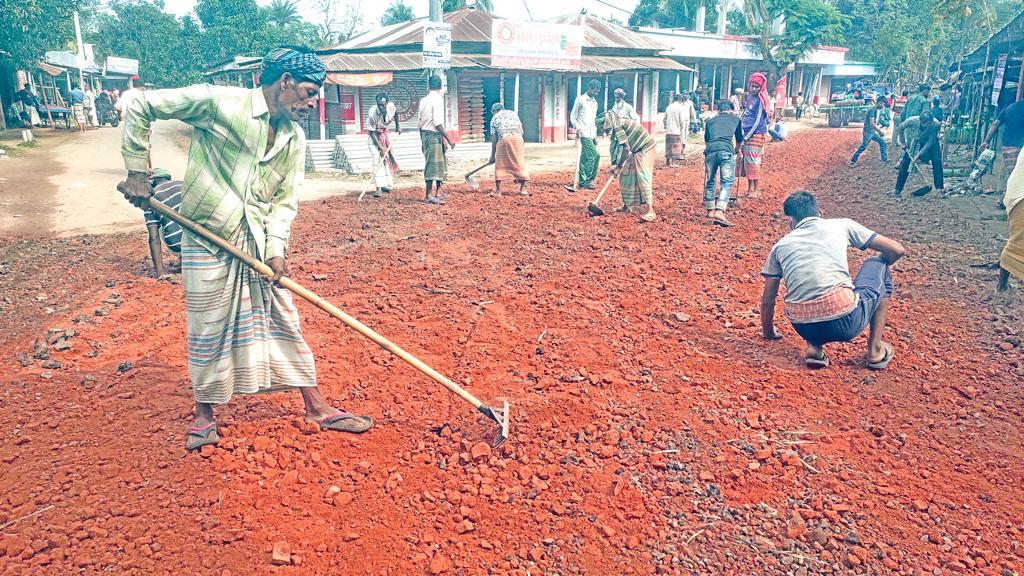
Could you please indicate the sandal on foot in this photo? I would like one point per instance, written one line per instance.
(649, 217)
(890, 353)
(203, 436)
(346, 422)
(816, 362)
(721, 221)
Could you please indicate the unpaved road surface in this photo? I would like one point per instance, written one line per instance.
(653, 431)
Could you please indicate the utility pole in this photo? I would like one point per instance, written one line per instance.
(81, 52)
(436, 15)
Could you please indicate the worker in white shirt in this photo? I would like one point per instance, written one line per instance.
(678, 117)
(434, 141)
(584, 119)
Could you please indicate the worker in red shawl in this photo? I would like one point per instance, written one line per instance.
(754, 120)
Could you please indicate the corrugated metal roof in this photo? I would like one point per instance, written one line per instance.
(603, 34)
(387, 61)
(236, 64)
(475, 26)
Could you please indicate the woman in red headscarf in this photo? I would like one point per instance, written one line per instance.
(754, 123)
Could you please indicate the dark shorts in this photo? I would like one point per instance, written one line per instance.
(872, 284)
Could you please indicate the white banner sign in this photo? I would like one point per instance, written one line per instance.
(535, 45)
(122, 65)
(437, 45)
(997, 82)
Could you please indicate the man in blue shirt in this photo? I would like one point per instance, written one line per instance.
(77, 98)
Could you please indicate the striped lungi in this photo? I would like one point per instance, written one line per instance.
(751, 152)
(510, 159)
(636, 181)
(79, 112)
(436, 166)
(1010, 154)
(673, 146)
(243, 332)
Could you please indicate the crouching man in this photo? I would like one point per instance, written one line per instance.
(822, 301)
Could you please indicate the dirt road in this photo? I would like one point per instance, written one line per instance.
(654, 432)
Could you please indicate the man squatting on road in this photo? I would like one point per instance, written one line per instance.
(822, 302)
(241, 182)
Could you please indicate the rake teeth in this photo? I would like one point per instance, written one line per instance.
(500, 416)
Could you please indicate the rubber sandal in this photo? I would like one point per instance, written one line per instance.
(817, 362)
(648, 218)
(569, 188)
(346, 422)
(205, 436)
(721, 221)
(890, 353)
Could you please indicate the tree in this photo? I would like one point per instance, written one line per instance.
(674, 14)
(397, 12)
(284, 12)
(28, 28)
(452, 5)
(788, 30)
(143, 31)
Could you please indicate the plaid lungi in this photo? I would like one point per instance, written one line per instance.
(673, 146)
(436, 166)
(637, 179)
(79, 112)
(751, 152)
(510, 159)
(1010, 154)
(243, 332)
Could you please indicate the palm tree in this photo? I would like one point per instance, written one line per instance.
(284, 12)
(397, 12)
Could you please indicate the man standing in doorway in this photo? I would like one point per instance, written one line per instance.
(434, 141)
(243, 330)
(872, 132)
(377, 122)
(678, 116)
(584, 119)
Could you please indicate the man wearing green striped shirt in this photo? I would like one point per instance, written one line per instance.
(245, 167)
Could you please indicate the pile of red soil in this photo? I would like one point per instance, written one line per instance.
(653, 432)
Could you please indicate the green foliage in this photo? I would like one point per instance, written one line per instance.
(143, 31)
(397, 11)
(284, 12)
(28, 28)
(917, 40)
(674, 14)
(789, 30)
(452, 5)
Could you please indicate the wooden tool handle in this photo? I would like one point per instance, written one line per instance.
(579, 157)
(477, 169)
(604, 189)
(373, 174)
(315, 300)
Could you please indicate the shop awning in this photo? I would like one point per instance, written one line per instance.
(51, 69)
(365, 80)
(397, 61)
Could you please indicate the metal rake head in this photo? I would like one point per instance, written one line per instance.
(501, 416)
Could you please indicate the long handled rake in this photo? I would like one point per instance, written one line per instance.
(373, 174)
(501, 416)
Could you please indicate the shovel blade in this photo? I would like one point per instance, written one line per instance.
(472, 182)
(594, 210)
(921, 191)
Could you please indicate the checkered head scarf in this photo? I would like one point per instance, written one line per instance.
(301, 64)
(619, 93)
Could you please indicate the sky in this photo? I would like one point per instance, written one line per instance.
(511, 9)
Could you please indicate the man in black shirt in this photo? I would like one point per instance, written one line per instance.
(722, 137)
(928, 150)
(872, 132)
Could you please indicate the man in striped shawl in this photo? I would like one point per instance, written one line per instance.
(633, 161)
(245, 167)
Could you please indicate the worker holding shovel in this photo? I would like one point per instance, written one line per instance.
(633, 162)
(377, 122)
(243, 329)
(925, 147)
(508, 152)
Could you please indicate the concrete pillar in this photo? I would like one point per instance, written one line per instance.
(701, 17)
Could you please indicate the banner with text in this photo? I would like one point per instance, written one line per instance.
(536, 45)
(437, 45)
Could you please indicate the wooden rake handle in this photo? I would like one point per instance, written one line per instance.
(315, 300)
(477, 169)
(373, 174)
(604, 189)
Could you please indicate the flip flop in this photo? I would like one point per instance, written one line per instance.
(569, 188)
(199, 437)
(890, 353)
(648, 218)
(817, 362)
(721, 221)
(346, 422)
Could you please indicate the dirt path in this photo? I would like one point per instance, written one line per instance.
(653, 431)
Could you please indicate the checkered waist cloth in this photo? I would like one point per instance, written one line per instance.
(836, 304)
